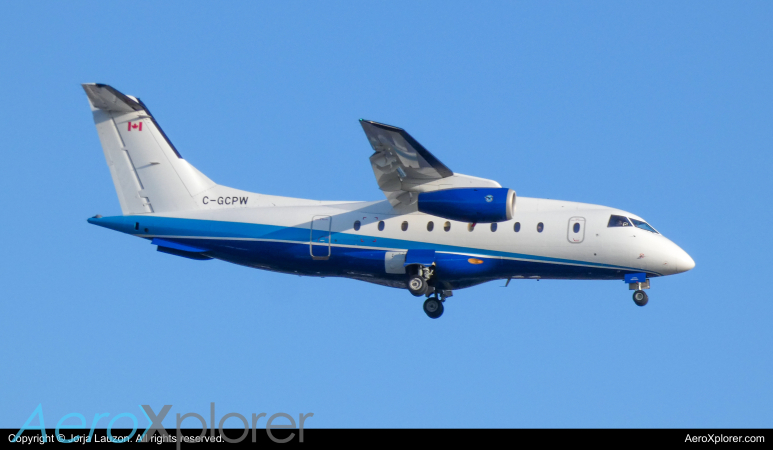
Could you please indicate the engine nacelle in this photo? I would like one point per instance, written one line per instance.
(477, 205)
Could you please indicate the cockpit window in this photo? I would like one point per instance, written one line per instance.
(643, 225)
(619, 221)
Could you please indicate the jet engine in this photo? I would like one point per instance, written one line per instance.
(477, 205)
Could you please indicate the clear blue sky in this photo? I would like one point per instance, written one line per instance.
(660, 108)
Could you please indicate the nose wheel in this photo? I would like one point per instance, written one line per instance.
(640, 297)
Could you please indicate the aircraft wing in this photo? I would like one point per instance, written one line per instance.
(404, 168)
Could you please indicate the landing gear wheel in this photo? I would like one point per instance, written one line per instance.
(417, 285)
(433, 307)
(640, 298)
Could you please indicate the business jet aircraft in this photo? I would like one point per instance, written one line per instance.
(437, 231)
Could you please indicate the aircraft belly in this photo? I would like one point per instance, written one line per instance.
(453, 271)
(362, 264)
(286, 249)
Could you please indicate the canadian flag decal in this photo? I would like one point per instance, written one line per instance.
(135, 126)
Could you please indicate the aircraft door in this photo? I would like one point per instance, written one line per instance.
(319, 240)
(576, 231)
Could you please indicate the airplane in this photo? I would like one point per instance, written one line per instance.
(436, 232)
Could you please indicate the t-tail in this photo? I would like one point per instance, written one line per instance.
(149, 174)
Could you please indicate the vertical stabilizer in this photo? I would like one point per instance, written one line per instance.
(149, 174)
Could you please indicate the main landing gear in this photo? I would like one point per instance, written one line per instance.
(418, 285)
(433, 307)
(417, 280)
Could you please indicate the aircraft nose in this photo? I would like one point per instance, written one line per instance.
(684, 262)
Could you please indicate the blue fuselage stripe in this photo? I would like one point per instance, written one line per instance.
(202, 230)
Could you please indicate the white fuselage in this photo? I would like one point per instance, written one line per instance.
(595, 245)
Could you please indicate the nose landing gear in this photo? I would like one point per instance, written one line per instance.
(640, 297)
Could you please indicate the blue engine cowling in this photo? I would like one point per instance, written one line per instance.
(478, 205)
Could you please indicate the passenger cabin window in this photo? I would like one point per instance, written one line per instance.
(576, 228)
(517, 227)
(494, 226)
(404, 226)
(447, 226)
(356, 225)
(618, 221)
(430, 225)
(643, 225)
(381, 226)
(540, 227)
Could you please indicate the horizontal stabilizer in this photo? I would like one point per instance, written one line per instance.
(107, 98)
